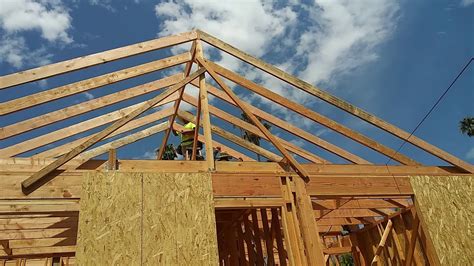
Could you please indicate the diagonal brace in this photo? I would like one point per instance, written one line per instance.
(39, 176)
(292, 162)
(187, 70)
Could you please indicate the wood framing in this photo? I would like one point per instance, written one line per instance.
(294, 198)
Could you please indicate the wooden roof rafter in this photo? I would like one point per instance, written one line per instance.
(335, 101)
(124, 118)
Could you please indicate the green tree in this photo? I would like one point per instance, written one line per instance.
(467, 126)
(249, 136)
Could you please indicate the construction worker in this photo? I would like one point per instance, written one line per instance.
(187, 139)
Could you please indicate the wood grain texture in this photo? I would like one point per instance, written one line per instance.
(447, 210)
(109, 221)
(160, 219)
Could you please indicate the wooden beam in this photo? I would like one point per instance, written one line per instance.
(383, 239)
(300, 109)
(92, 83)
(187, 70)
(196, 130)
(345, 221)
(236, 139)
(352, 213)
(115, 144)
(230, 203)
(337, 250)
(289, 158)
(39, 176)
(309, 228)
(348, 203)
(93, 59)
(249, 127)
(69, 131)
(206, 118)
(84, 107)
(290, 128)
(341, 104)
(412, 244)
(136, 123)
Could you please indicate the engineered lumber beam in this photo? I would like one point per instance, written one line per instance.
(248, 203)
(93, 59)
(236, 139)
(115, 144)
(289, 158)
(290, 128)
(92, 83)
(39, 176)
(136, 123)
(251, 128)
(187, 70)
(333, 100)
(67, 182)
(316, 117)
(81, 108)
(366, 172)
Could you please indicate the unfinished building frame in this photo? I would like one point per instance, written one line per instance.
(280, 212)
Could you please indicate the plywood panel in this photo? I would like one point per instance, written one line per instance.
(165, 219)
(110, 219)
(447, 209)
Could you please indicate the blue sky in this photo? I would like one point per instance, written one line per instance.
(390, 58)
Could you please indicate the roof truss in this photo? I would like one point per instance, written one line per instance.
(129, 118)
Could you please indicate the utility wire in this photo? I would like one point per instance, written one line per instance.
(432, 108)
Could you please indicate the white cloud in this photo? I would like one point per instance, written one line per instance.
(470, 154)
(317, 42)
(467, 2)
(48, 17)
(13, 50)
(250, 26)
(345, 36)
(88, 95)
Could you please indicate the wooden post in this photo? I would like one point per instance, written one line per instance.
(412, 245)
(308, 225)
(206, 119)
(289, 158)
(196, 129)
(187, 70)
(294, 242)
(381, 245)
(112, 161)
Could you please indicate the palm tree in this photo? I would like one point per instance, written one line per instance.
(467, 126)
(249, 136)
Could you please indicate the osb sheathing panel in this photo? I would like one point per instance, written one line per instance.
(447, 209)
(148, 219)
